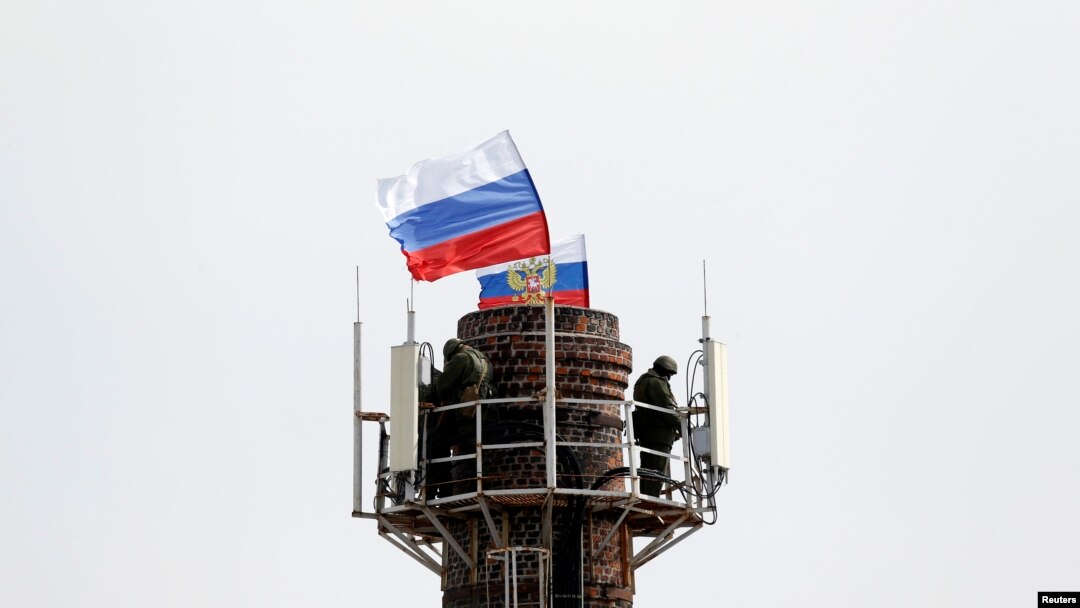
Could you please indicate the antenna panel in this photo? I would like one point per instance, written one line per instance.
(717, 394)
(403, 407)
(423, 368)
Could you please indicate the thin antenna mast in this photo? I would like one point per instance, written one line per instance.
(705, 287)
(410, 315)
(358, 434)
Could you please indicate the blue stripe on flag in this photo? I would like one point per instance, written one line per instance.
(507, 199)
(567, 276)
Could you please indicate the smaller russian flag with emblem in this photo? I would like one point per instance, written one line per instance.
(565, 275)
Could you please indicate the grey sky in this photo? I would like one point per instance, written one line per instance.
(888, 195)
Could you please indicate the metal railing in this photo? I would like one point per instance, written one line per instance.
(397, 491)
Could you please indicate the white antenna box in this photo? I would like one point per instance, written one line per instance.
(716, 393)
(404, 409)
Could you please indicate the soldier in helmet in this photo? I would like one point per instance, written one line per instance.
(466, 376)
(656, 430)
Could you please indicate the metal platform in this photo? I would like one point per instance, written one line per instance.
(419, 526)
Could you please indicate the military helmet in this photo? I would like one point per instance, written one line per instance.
(666, 364)
(451, 345)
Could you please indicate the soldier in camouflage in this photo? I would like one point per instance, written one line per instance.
(656, 430)
(466, 376)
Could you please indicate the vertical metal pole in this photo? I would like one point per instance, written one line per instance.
(513, 570)
(631, 452)
(411, 339)
(423, 464)
(506, 580)
(549, 403)
(705, 330)
(479, 450)
(358, 427)
(581, 570)
(549, 423)
(543, 563)
(688, 479)
(704, 288)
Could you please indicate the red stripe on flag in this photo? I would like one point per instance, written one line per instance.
(570, 297)
(499, 301)
(521, 238)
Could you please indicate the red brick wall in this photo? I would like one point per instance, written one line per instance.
(590, 363)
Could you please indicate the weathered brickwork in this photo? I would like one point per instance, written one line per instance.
(590, 363)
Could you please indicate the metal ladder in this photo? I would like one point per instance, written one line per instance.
(509, 557)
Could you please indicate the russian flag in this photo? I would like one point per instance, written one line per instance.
(469, 210)
(524, 281)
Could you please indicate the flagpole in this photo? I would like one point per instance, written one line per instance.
(549, 403)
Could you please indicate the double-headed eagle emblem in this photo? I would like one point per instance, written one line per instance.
(531, 278)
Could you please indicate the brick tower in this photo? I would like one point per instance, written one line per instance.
(591, 364)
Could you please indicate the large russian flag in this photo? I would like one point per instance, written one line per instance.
(513, 282)
(469, 210)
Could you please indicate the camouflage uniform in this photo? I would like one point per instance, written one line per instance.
(654, 430)
(466, 377)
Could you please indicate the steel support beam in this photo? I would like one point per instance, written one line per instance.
(656, 553)
(409, 546)
(449, 538)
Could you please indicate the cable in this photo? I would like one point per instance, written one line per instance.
(700, 485)
(425, 347)
(691, 367)
(706, 491)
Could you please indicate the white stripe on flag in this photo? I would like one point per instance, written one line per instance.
(437, 178)
(564, 251)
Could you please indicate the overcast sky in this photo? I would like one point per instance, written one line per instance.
(887, 194)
